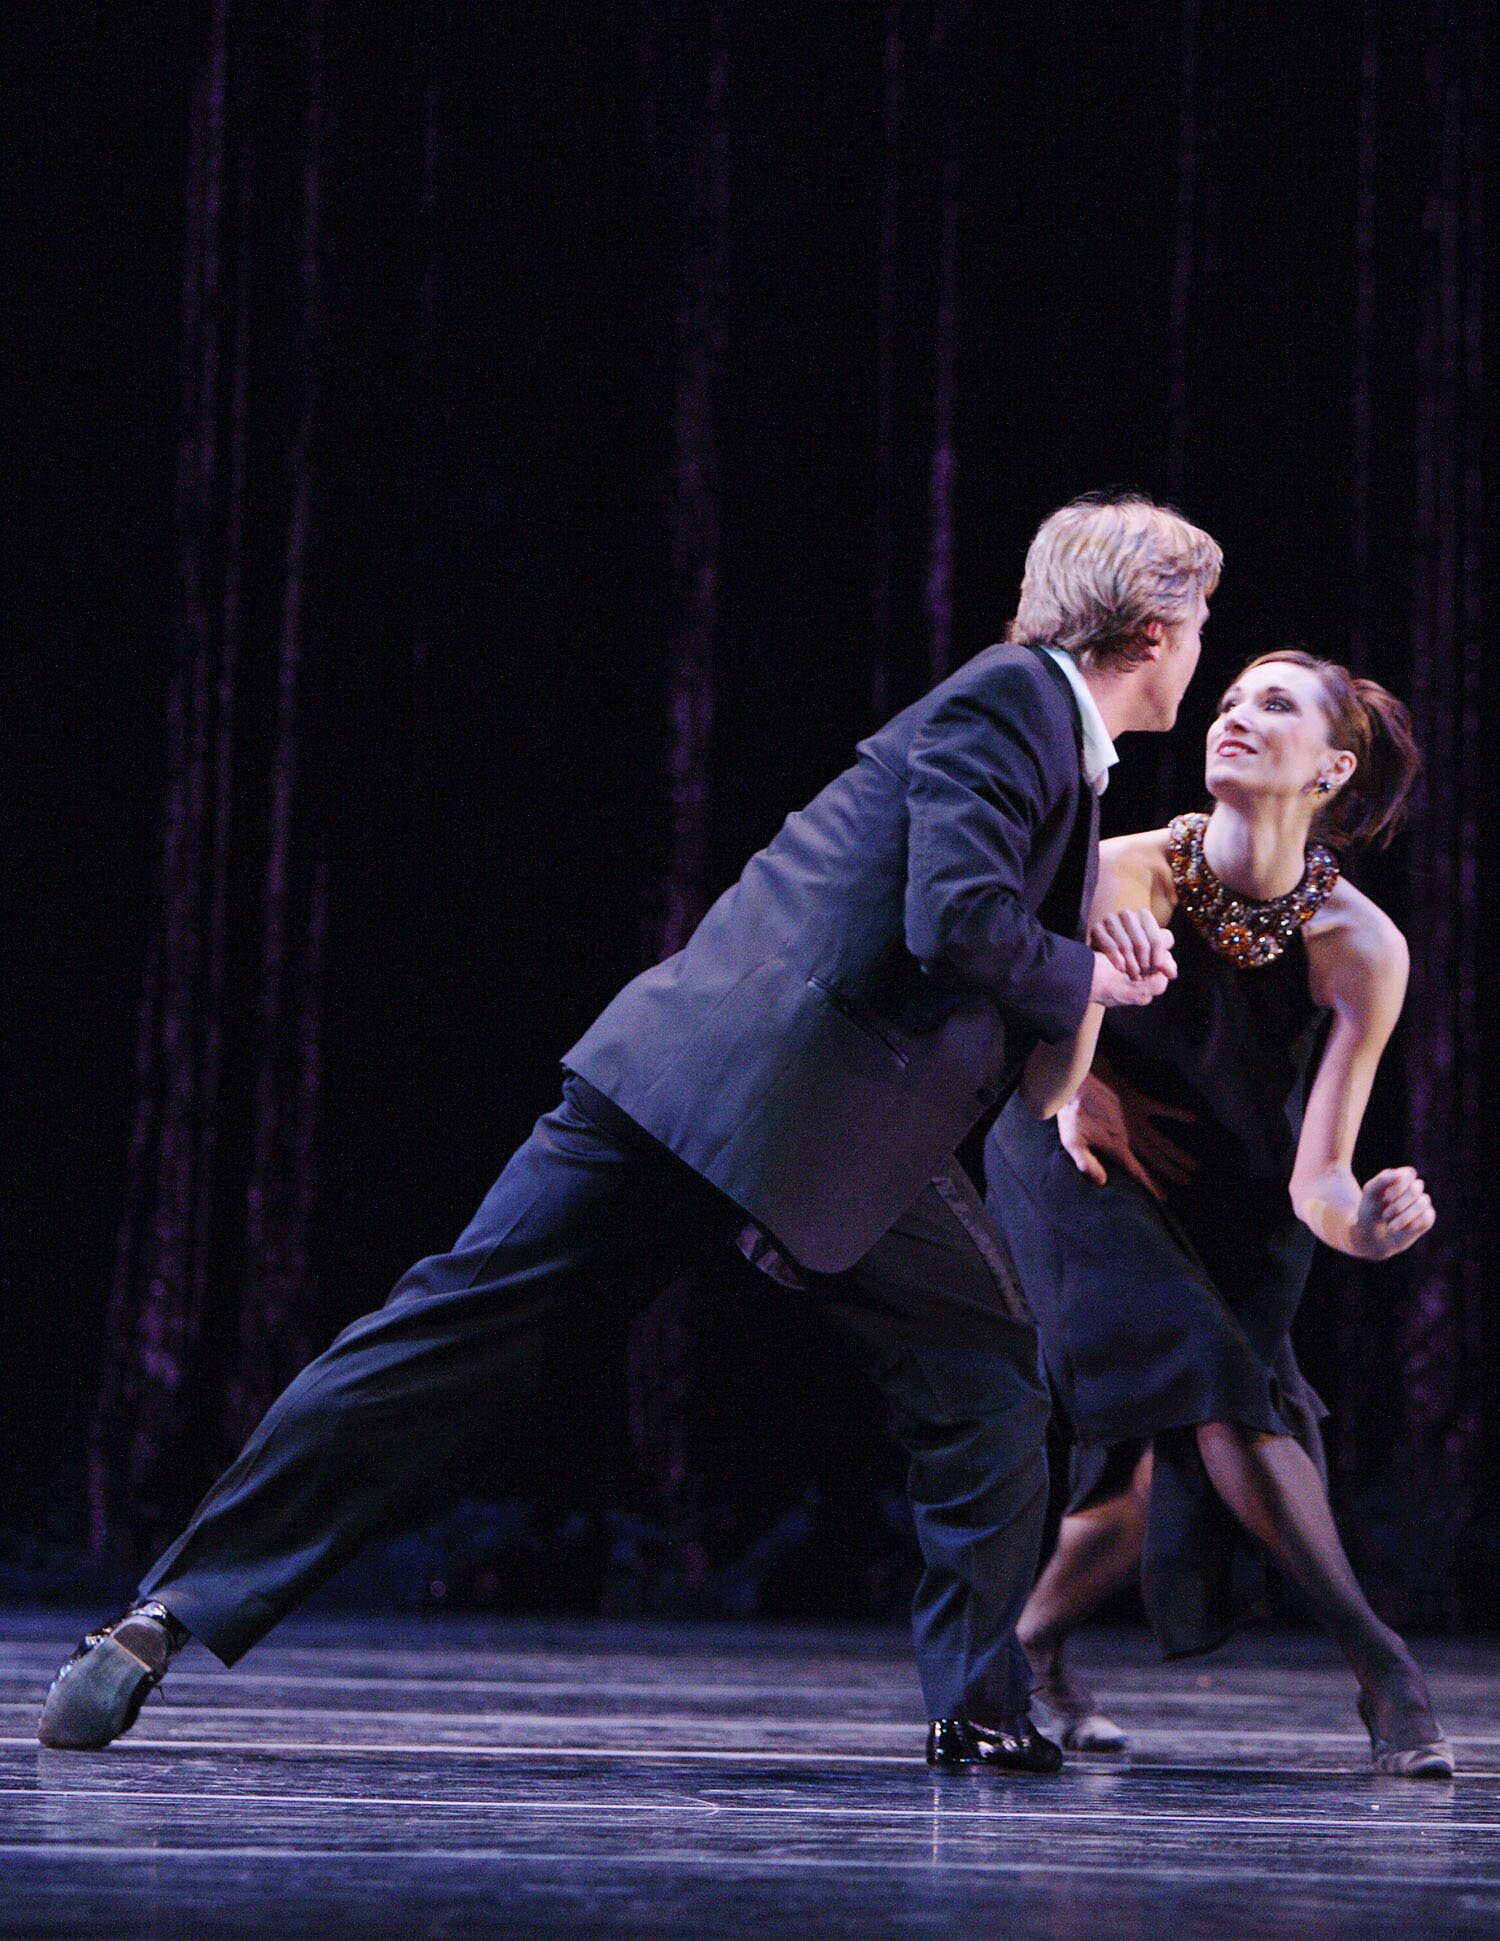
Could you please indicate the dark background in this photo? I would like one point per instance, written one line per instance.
(472, 470)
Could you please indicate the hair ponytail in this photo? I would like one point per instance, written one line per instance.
(1367, 720)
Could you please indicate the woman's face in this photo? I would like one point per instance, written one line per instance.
(1270, 736)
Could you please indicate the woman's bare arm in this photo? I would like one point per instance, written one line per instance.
(1358, 961)
(1133, 876)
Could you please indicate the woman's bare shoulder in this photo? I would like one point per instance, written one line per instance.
(1349, 917)
(1353, 940)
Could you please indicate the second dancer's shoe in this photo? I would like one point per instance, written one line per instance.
(1067, 1709)
(1080, 1728)
(99, 1692)
(1431, 1760)
(1006, 1745)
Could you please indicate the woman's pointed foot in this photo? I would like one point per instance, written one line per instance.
(1415, 1747)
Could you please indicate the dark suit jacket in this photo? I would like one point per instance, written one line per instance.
(872, 983)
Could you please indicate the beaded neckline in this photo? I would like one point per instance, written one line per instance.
(1245, 931)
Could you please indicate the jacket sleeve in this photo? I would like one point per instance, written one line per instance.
(983, 772)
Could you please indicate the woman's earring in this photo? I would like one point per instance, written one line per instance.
(1325, 787)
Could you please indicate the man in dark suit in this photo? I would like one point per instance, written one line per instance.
(795, 1082)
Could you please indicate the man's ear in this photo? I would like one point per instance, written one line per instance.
(1153, 640)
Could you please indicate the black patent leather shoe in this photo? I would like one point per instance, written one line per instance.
(1009, 1745)
(99, 1692)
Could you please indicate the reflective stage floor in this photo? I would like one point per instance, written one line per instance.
(405, 1777)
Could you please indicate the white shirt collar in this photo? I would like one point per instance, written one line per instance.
(1099, 751)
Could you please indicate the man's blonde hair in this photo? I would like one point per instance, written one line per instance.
(1103, 567)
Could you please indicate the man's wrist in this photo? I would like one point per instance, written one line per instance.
(1104, 981)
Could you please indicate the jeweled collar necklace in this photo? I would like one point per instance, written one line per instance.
(1248, 933)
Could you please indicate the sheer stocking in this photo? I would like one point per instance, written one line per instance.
(1098, 1552)
(1273, 1487)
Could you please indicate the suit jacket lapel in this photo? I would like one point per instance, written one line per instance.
(1074, 868)
(1090, 865)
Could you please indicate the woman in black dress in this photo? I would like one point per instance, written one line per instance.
(1163, 1178)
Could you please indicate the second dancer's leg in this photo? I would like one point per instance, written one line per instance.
(1098, 1552)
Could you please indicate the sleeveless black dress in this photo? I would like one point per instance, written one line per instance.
(1155, 1317)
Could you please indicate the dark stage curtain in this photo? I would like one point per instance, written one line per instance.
(208, 1306)
(587, 423)
(1443, 1340)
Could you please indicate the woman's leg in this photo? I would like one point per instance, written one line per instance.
(1098, 1552)
(1273, 1487)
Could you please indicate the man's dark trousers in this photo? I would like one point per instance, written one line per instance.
(809, 1063)
(590, 1219)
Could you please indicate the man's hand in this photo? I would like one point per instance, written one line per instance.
(1133, 961)
(1395, 1210)
(1111, 986)
(1113, 1119)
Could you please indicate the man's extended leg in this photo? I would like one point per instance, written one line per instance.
(939, 1324)
(580, 1217)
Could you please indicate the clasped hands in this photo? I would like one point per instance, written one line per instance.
(1133, 961)
(1107, 1118)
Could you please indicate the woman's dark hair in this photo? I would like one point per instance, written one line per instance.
(1376, 728)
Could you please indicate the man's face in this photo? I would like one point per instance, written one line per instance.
(1166, 677)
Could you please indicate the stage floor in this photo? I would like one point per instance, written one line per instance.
(456, 1777)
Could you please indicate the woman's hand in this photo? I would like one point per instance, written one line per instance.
(1395, 1210)
(1133, 961)
(1135, 943)
(1110, 1119)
